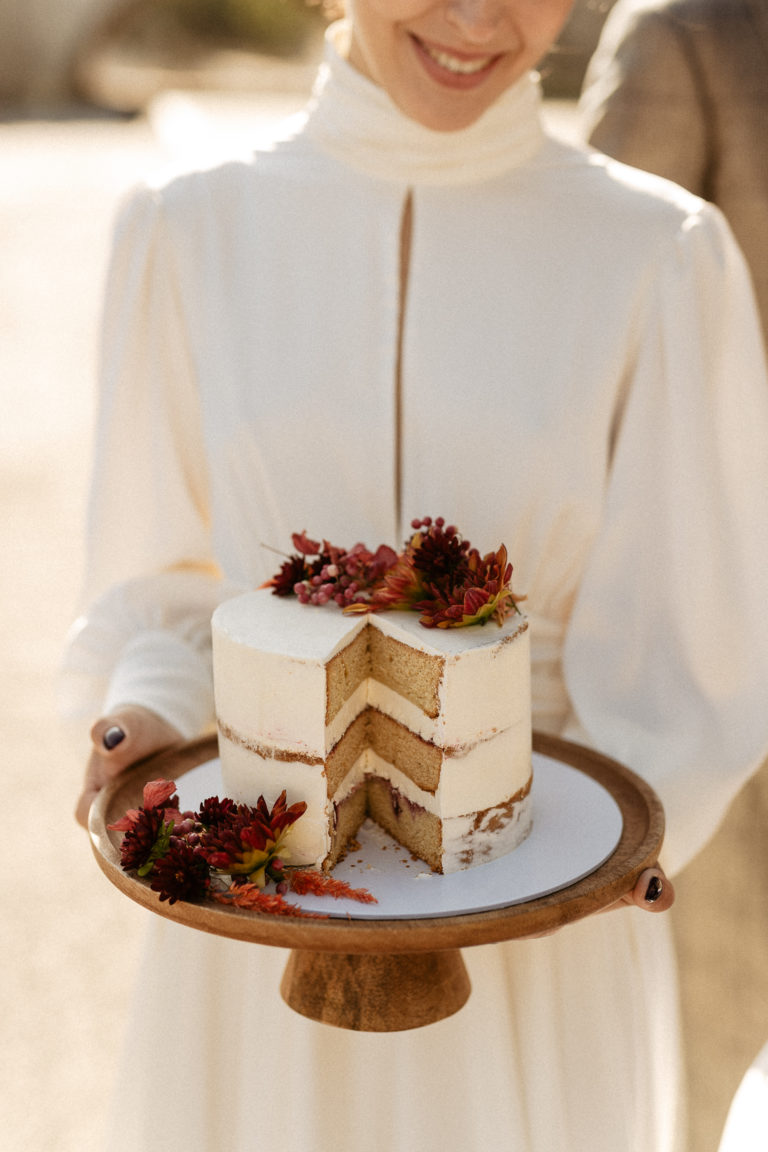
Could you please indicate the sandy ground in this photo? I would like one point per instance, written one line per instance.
(69, 947)
(70, 941)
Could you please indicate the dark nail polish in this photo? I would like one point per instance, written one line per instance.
(654, 890)
(112, 737)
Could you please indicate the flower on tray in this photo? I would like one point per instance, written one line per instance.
(181, 873)
(159, 794)
(304, 882)
(438, 574)
(249, 842)
(145, 841)
(187, 856)
(255, 899)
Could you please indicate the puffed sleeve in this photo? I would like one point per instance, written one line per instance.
(151, 582)
(666, 657)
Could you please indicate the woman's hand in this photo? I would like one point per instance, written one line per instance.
(120, 740)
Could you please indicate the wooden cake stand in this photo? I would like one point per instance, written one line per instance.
(386, 975)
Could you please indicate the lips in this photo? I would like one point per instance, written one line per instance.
(454, 69)
(455, 64)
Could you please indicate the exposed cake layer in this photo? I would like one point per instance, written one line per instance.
(376, 714)
(294, 678)
(454, 790)
(450, 845)
(485, 680)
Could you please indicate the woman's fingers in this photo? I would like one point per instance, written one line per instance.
(96, 777)
(653, 892)
(129, 735)
(120, 740)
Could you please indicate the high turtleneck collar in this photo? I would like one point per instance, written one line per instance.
(355, 120)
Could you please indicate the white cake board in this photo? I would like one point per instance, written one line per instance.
(577, 826)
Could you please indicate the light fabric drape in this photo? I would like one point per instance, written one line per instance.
(582, 378)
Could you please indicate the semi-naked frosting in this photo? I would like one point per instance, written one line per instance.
(321, 704)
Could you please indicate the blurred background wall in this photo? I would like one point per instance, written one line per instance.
(113, 54)
(38, 39)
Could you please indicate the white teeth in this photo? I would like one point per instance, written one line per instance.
(453, 64)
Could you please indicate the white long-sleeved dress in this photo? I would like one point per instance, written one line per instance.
(567, 359)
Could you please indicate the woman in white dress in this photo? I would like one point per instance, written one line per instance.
(417, 303)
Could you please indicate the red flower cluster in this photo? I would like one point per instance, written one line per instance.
(184, 853)
(438, 574)
(181, 852)
(181, 873)
(245, 842)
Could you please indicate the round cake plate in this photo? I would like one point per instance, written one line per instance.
(577, 826)
(397, 964)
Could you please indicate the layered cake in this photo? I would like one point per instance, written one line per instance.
(427, 730)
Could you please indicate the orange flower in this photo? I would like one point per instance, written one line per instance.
(318, 884)
(252, 897)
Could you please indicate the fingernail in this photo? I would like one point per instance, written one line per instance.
(112, 737)
(654, 890)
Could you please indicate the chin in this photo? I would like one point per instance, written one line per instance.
(446, 120)
(443, 113)
(447, 124)
(444, 110)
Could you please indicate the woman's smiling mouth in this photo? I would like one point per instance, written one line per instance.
(451, 68)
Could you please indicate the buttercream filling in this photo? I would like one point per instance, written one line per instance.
(466, 839)
(472, 777)
(450, 800)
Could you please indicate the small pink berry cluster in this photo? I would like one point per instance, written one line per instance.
(438, 574)
(320, 573)
(344, 579)
(439, 522)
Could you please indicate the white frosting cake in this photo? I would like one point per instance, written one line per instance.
(426, 730)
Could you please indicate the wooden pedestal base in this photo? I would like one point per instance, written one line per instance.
(375, 993)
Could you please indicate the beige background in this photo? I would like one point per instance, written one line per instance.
(69, 941)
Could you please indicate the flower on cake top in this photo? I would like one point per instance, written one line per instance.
(438, 574)
(319, 572)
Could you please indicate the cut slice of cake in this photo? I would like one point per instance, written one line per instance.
(426, 730)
